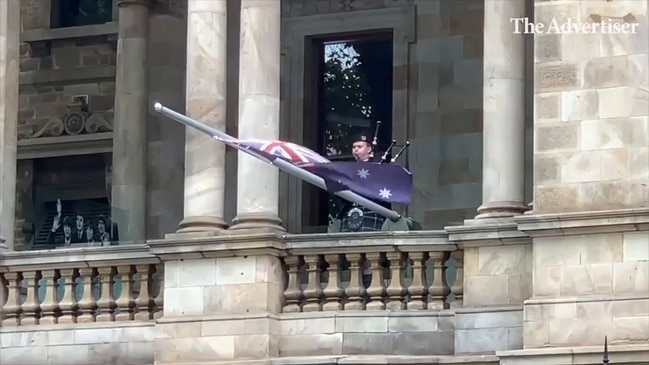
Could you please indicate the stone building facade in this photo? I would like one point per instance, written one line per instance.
(530, 157)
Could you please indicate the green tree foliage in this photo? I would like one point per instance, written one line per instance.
(346, 97)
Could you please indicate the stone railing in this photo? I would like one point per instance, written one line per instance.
(413, 271)
(80, 286)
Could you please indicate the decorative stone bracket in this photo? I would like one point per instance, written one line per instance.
(77, 121)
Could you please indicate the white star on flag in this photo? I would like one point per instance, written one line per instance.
(385, 193)
(363, 173)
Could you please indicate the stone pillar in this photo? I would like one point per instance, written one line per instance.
(205, 101)
(222, 301)
(9, 69)
(128, 192)
(259, 86)
(504, 111)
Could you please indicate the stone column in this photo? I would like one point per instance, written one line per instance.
(259, 86)
(9, 69)
(205, 101)
(504, 111)
(128, 197)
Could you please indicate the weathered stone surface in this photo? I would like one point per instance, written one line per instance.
(557, 138)
(554, 77)
(9, 83)
(71, 344)
(547, 47)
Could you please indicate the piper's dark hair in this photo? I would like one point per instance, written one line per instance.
(66, 222)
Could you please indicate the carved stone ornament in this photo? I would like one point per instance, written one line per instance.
(74, 123)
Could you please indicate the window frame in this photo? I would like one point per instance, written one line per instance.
(297, 83)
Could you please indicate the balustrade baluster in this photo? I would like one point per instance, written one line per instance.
(87, 303)
(458, 287)
(417, 290)
(355, 292)
(106, 303)
(396, 291)
(50, 305)
(11, 308)
(158, 301)
(125, 302)
(376, 290)
(68, 304)
(333, 292)
(31, 307)
(313, 291)
(438, 289)
(143, 302)
(293, 293)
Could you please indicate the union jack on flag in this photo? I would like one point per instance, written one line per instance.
(298, 155)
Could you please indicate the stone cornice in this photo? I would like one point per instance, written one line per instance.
(335, 243)
(74, 258)
(566, 224)
(183, 247)
(479, 234)
(83, 144)
(626, 354)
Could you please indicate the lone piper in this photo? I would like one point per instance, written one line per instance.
(353, 217)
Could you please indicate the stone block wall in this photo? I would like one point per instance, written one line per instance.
(52, 72)
(497, 275)
(34, 14)
(204, 298)
(96, 344)
(446, 112)
(366, 333)
(588, 286)
(592, 110)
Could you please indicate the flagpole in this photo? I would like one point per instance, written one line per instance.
(286, 166)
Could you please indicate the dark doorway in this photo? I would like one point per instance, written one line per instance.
(351, 82)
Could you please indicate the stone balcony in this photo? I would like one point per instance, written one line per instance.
(370, 298)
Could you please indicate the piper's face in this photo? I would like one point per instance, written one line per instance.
(361, 151)
(67, 230)
(101, 226)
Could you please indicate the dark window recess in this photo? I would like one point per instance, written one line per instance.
(80, 182)
(352, 78)
(74, 13)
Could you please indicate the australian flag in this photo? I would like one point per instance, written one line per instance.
(382, 182)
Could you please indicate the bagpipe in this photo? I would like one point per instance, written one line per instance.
(388, 151)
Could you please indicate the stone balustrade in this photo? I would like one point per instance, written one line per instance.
(89, 286)
(376, 272)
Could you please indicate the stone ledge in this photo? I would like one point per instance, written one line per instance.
(584, 299)
(35, 35)
(473, 234)
(68, 75)
(579, 223)
(84, 144)
(74, 258)
(361, 359)
(75, 326)
(369, 242)
(187, 246)
(620, 354)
